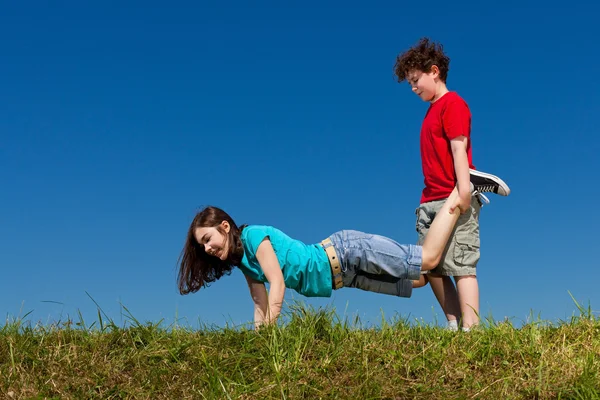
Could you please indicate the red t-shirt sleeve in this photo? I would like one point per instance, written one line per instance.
(456, 120)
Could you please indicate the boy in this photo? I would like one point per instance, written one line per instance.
(447, 161)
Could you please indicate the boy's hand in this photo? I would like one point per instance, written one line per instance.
(463, 202)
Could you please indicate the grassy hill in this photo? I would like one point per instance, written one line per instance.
(313, 355)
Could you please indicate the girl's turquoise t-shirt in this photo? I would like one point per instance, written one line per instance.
(305, 267)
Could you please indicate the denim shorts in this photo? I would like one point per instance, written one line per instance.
(376, 263)
(462, 251)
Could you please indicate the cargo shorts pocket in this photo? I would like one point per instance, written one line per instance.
(423, 219)
(422, 224)
(466, 249)
(417, 225)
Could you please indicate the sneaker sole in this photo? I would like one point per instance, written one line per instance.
(502, 185)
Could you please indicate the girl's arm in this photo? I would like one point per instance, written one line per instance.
(260, 299)
(270, 265)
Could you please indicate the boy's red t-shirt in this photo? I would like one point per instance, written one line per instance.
(446, 119)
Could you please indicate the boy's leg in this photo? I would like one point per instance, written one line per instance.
(468, 296)
(434, 244)
(446, 295)
(463, 265)
(459, 257)
(442, 286)
(460, 261)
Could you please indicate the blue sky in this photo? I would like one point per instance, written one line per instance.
(120, 120)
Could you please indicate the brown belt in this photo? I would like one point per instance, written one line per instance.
(334, 262)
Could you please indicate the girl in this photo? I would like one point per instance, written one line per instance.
(215, 245)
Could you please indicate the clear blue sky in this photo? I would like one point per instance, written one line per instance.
(119, 120)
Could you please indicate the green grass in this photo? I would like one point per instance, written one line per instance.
(313, 355)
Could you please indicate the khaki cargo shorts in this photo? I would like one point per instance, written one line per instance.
(462, 251)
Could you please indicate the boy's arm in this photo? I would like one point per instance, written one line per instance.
(270, 265)
(258, 292)
(463, 178)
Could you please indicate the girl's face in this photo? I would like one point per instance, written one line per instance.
(215, 243)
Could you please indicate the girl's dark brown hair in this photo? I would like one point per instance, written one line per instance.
(421, 57)
(196, 268)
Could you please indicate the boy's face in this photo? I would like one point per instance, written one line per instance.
(423, 84)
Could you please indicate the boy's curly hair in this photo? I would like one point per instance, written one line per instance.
(422, 57)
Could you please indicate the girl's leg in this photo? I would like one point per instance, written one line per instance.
(445, 292)
(377, 263)
(384, 284)
(439, 233)
(367, 259)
